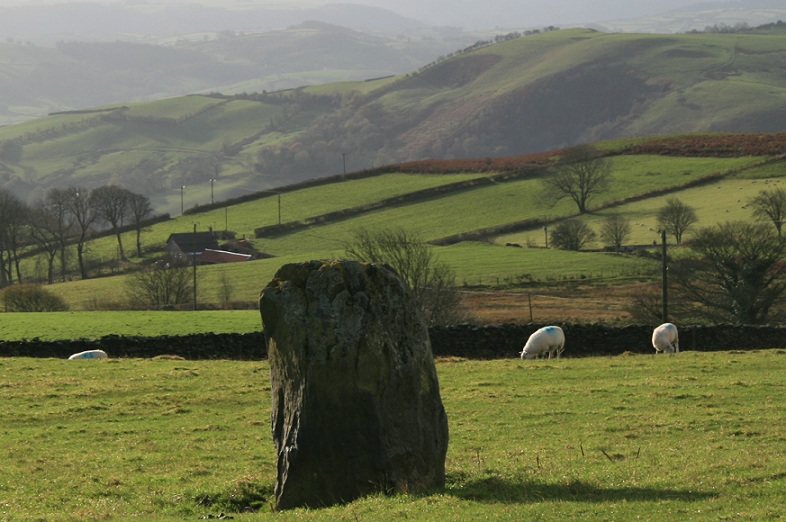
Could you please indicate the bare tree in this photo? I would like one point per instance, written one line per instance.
(45, 231)
(615, 231)
(737, 273)
(431, 282)
(60, 221)
(112, 206)
(771, 205)
(163, 284)
(582, 174)
(675, 218)
(572, 234)
(139, 209)
(13, 222)
(83, 214)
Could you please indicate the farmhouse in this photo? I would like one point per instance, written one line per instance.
(202, 247)
(187, 246)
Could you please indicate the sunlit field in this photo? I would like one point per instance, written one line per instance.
(696, 436)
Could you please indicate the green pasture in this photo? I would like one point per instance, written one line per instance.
(57, 326)
(690, 58)
(697, 436)
(475, 263)
(697, 64)
(501, 203)
(717, 202)
(495, 265)
(707, 104)
(178, 107)
(246, 280)
(347, 87)
(113, 140)
(50, 123)
(243, 218)
(486, 263)
(765, 171)
(100, 149)
(642, 174)
(237, 119)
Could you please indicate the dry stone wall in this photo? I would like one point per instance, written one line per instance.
(583, 340)
(249, 346)
(470, 341)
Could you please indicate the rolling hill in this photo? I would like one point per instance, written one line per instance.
(520, 95)
(73, 73)
(482, 217)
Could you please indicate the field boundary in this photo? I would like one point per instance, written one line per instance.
(409, 197)
(528, 224)
(467, 341)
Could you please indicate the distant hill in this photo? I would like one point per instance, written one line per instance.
(75, 55)
(701, 15)
(525, 93)
(553, 89)
(47, 22)
(77, 73)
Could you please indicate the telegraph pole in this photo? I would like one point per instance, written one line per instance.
(665, 283)
(195, 263)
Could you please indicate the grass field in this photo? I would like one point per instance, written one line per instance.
(697, 436)
(718, 202)
(243, 218)
(53, 326)
(475, 263)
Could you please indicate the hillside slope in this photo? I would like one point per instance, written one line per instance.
(554, 89)
(521, 95)
(76, 74)
(470, 217)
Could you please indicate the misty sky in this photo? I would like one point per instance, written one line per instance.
(461, 13)
(525, 12)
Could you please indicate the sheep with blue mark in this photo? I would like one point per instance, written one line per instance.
(89, 354)
(547, 340)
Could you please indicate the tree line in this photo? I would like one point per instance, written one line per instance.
(64, 217)
(731, 272)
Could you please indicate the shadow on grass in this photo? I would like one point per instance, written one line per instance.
(496, 489)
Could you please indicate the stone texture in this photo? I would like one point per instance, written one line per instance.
(356, 403)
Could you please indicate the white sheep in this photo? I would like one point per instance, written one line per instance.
(547, 340)
(89, 354)
(666, 339)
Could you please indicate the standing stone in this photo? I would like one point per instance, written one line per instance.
(356, 403)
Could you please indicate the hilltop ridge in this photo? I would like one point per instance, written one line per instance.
(520, 95)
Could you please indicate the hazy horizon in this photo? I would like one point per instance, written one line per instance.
(460, 13)
(507, 13)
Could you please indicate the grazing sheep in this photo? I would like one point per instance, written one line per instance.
(90, 354)
(547, 340)
(666, 339)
